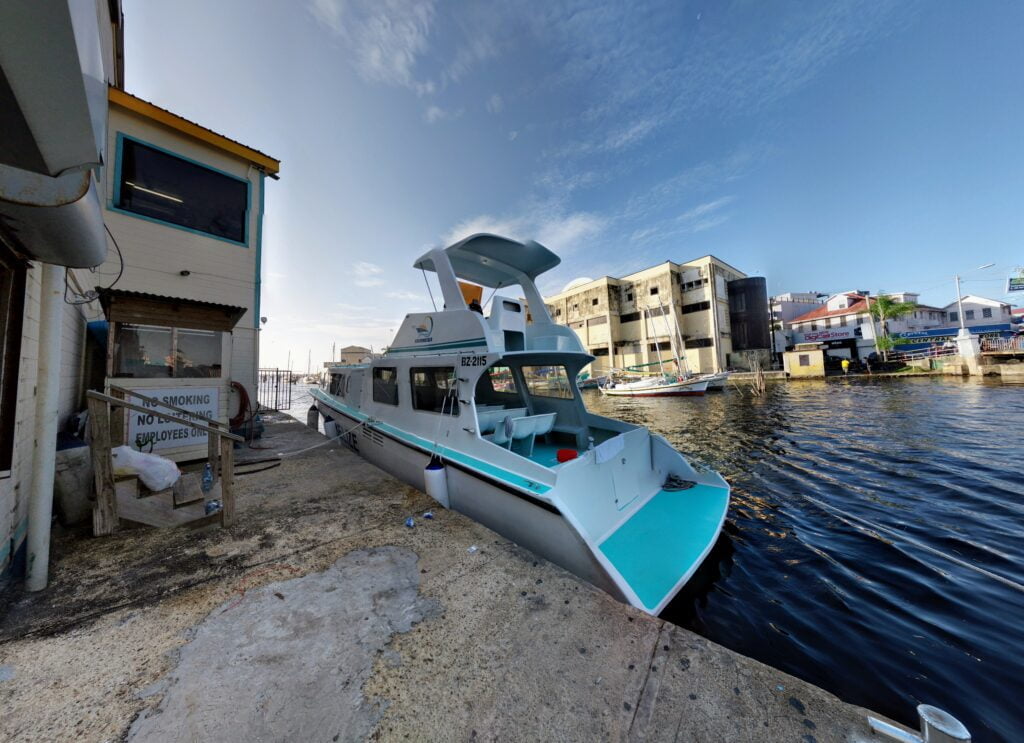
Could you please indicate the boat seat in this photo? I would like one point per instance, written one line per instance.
(519, 434)
(490, 416)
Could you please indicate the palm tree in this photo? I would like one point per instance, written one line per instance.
(883, 309)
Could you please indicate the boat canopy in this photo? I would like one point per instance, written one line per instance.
(493, 261)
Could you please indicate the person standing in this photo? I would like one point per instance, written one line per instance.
(846, 366)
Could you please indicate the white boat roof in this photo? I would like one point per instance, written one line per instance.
(493, 261)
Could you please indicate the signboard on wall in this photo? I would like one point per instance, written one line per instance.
(1015, 283)
(147, 432)
(821, 336)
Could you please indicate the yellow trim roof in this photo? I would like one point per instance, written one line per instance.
(190, 128)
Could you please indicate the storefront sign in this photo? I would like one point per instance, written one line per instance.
(1015, 283)
(147, 432)
(822, 336)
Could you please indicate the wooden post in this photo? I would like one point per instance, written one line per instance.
(118, 417)
(213, 455)
(227, 481)
(104, 511)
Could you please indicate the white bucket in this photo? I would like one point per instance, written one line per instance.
(435, 481)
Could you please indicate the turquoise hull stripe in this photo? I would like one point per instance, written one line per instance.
(473, 343)
(479, 465)
(665, 540)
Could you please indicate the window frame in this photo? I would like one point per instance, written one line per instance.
(112, 205)
(455, 411)
(114, 338)
(375, 379)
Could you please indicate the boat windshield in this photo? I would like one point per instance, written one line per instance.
(547, 381)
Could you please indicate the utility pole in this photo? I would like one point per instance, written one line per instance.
(959, 303)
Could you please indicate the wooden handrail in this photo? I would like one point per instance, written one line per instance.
(154, 401)
(116, 402)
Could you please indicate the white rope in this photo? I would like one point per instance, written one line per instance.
(282, 455)
(869, 527)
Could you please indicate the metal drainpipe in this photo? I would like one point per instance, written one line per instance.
(40, 503)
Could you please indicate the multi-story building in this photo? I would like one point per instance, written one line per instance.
(978, 311)
(706, 310)
(130, 247)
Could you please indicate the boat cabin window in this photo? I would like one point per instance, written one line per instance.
(385, 385)
(497, 386)
(434, 389)
(337, 384)
(547, 381)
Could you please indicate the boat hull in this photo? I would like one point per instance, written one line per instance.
(529, 522)
(686, 389)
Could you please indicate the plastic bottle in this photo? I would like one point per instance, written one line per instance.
(207, 478)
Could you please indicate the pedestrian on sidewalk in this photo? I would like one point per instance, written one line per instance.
(846, 366)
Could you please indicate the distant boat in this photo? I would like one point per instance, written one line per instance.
(660, 386)
(715, 381)
(484, 414)
(586, 382)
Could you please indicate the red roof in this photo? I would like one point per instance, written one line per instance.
(857, 305)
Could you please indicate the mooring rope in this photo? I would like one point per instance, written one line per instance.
(282, 455)
(849, 518)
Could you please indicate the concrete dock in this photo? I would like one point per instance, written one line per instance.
(320, 616)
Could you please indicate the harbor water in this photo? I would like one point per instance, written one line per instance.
(843, 492)
(810, 589)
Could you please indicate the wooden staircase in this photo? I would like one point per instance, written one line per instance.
(125, 498)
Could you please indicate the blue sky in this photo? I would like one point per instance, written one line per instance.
(826, 145)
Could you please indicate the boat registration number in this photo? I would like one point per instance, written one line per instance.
(473, 361)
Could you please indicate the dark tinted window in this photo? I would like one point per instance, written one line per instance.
(159, 185)
(12, 309)
(385, 385)
(434, 389)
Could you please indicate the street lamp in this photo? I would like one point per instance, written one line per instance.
(960, 299)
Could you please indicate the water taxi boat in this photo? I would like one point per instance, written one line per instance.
(485, 415)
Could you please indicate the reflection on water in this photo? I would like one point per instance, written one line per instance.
(878, 621)
(875, 619)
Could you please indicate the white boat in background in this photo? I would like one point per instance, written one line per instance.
(485, 415)
(660, 386)
(716, 381)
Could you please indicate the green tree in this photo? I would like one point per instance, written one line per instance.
(884, 309)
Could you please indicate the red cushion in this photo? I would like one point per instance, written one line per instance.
(564, 455)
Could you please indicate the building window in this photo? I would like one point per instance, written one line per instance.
(860, 319)
(969, 315)
(575, 307)
(828, 322)
(814, 326)
(805, 359)
(662, 346)
(629, 296)
(953, 317)
(629, 317)
(842, 321)
(654, 290)
(700, 343)
(986, 312)
(558, 312)
(602, 351)
(656, 312)
(157, 352)
(385, 385)
(434, 389)
(599, 320)
(593, 302)
(156, 184)
(686, 309)
(12, 310)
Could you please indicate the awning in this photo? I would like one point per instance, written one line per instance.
(141, 308)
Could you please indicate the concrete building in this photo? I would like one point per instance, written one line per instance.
(130, 243)
(717, 311)
(978, 311)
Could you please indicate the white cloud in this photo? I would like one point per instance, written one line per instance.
(367, 274)
(406, 296)
(385, 37)
(548, 225)
(434, 114)
(513, 135)
(494, 104)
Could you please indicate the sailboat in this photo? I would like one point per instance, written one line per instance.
(484, 414)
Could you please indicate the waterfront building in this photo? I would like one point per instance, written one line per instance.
(978, 311)
(136, 264)
(719, 312)
(354, 355)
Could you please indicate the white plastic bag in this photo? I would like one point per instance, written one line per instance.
(156, 472)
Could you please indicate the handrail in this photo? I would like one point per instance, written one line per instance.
(117, 402)
(147, 398)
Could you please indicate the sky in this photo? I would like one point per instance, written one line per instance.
(827, 146)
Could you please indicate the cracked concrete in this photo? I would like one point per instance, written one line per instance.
(233, 634)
